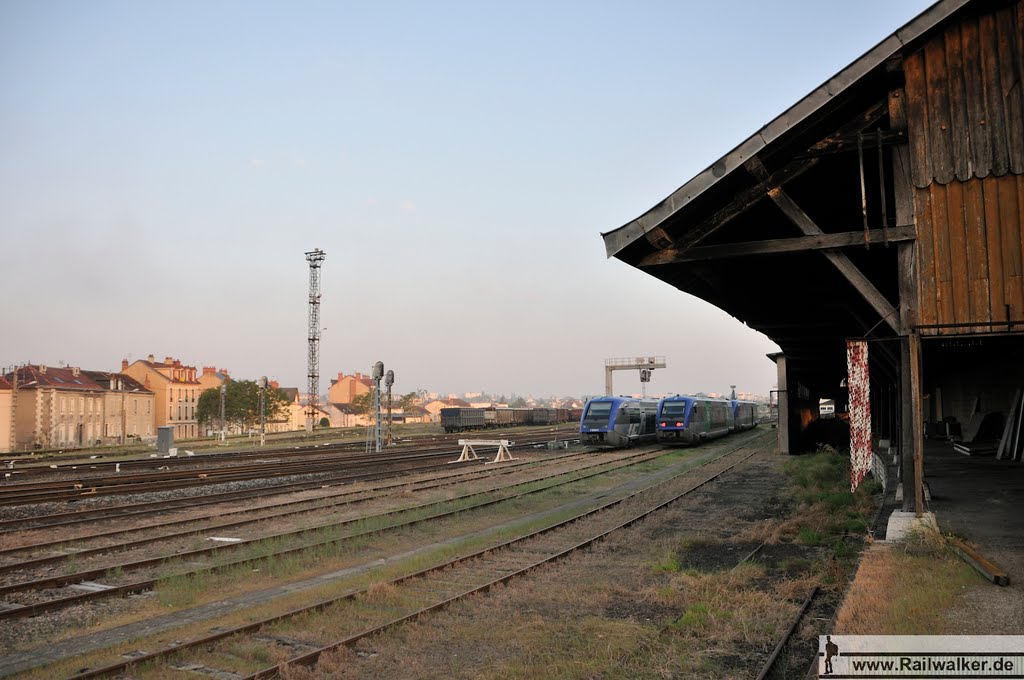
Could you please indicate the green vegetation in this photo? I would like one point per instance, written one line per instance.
(241, 404)
(830, 516)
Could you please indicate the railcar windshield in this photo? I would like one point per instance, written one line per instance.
(597, 414)
(673, 409)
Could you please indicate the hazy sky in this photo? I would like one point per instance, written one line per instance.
(164, 166)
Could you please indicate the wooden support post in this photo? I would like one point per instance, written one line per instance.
(907, 432)
(915, 422)
(911, 417)
(783, 397)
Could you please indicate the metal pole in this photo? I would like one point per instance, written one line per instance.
(223, 420)
(389, 380)
(378, 374)
(124, 414)
(263, 423)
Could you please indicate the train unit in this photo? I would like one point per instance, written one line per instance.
(618, 421)
(457, 419)
(744, 415)
(689, 420)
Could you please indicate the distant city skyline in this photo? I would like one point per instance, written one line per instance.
(166, 167)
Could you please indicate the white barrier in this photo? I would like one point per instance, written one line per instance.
(469, 453)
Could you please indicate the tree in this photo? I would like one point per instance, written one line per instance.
(407, 401)
(518, 402)
(241, 405)
(364, 403)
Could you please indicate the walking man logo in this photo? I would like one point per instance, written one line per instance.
(831, 649)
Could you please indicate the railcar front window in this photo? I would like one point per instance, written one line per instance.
(673, 409)
(597, 414)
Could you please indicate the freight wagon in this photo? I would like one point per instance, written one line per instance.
(462, 419)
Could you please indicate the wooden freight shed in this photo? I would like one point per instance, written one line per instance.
(886, 205)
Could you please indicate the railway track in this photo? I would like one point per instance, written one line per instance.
(345, 618)
(82, 461)
(429, 511)
(22, 493)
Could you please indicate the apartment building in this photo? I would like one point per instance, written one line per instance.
(6, 416)
(128, 407)
(176, 392)
(56, 407)
(347, 387)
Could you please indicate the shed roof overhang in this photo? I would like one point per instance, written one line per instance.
(774, 231)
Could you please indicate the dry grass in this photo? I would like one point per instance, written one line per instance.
(905, 589)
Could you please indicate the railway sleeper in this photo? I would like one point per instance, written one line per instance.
(283, 641)
(200, 669)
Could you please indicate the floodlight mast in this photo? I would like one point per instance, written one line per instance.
(315, 259)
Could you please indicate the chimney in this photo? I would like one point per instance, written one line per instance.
(359, 376)
(209, 370)
(341, 376)
(168, 360)
(124, 365)
(275, 384)
(151, 359)
(76, 371)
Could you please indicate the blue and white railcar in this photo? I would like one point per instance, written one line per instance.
(690, 420)
(744, 414)
(618, 421)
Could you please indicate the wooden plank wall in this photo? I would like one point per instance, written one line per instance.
(965, 123)
(970, 251)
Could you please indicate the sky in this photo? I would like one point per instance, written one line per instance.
(164, 166)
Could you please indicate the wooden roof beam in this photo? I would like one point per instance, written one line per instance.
(776, 246)
(841, 262)
(745, 199)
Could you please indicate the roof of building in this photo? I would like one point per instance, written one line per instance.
(65, 378)
(292, 393)
(4, 385)
(156, 366)
(779, 129)
(128, 383)
(739, 234)
(346, 409)
(358, 377)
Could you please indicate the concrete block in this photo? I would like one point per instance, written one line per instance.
(902, 523)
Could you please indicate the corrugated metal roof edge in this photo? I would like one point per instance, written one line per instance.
(617, 239)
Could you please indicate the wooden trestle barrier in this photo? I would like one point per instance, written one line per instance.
(469, 453)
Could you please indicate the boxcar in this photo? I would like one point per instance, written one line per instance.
(545, 416)
(462, 419)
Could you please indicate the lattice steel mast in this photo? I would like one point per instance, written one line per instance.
(315, 259)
